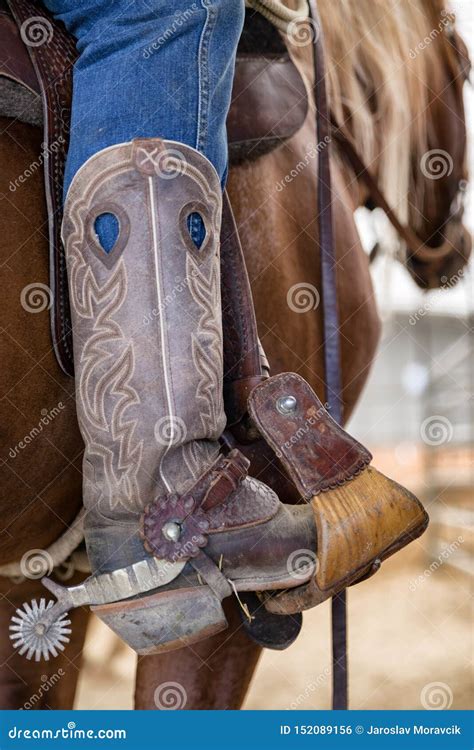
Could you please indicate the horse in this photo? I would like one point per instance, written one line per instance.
(412, 144)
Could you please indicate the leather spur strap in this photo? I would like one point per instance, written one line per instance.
(177, 527)
(331, 332)
(194, 510)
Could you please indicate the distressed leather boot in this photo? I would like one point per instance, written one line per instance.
(148, 363)
(173, 526)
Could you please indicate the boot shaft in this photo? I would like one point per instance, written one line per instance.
(146, 322)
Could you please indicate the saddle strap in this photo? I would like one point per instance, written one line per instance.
(331, 333)
(244, 359)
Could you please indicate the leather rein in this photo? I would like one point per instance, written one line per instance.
(327, 129)
(415, 246)
(331, 327)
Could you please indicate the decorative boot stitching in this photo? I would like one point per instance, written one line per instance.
(106, 376)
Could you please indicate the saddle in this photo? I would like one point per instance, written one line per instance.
(277, 422)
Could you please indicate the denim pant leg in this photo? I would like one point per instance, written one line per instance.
(151, 68)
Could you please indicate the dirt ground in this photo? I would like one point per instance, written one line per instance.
(410, 645)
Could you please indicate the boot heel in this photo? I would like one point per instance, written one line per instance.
(166, 620)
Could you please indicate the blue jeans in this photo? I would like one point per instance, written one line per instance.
(151, 68)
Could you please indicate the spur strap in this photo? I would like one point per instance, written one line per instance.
(175, 527)
(331, 330)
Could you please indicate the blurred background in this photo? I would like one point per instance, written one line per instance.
(410, 627)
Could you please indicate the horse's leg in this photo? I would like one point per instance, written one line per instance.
(37, 685)
(213, 674)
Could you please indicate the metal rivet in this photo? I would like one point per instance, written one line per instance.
(286, 404)
(171, 531)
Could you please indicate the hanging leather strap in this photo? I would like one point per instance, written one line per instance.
(331, 332)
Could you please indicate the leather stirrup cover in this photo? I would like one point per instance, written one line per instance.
(361, 516)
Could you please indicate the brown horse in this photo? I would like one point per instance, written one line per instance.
(400, 117)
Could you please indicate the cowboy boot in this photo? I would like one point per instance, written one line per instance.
(148, 363)
(173, 526)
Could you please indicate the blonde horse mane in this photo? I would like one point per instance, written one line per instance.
(381, 58)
